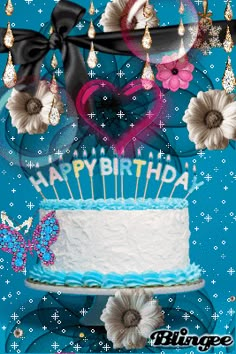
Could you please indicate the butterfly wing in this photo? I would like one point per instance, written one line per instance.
(11, 241)
(45, 234)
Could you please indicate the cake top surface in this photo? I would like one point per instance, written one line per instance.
(115, 204)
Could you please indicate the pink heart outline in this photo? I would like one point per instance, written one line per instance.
(94, 85)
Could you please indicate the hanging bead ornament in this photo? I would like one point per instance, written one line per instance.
(228, 12)
(147, 10)
(181, 28)
(91, 31)
(148, 76)
(205, 16)
(181, 8)
(54, 62)
(92, 9)
(9, 75)
(228, 81)
(8, 39)
(54, 114)
(9, 8)
(92, 58)
(228, 43)
(147, 39)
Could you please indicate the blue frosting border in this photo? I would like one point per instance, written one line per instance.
(115, 204)
(114, 280)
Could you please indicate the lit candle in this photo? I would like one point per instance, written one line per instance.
(148, 177)
(116, 172)
(53, 185)
(195, 185)
(64, 173)
(137, 176)
(85, 155)
(75, 156)
(122, 178)
(168, 160)
(102, 154)
(176, 184)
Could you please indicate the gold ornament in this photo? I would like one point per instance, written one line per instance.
(92, 57)
(147, 10)
(54, 114)
(147, 39)
(91, 9)
(54, 62)
(181, 28)
(228, 43)
(51, 31)
(228, 81)
(205, 16)
(9, 75)
(181, 8)
(53, 85)
(9, 8)
(228, 12)
(91, 31)
(147, 77)
(8, 39)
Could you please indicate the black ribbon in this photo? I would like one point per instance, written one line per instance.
(31, 47)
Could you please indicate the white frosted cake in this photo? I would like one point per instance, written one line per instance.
(119, 243)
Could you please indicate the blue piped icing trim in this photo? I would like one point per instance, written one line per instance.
(113, 280)
(115, 204)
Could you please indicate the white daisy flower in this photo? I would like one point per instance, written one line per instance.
(211, 119)
(130, 317)
(30, 114)
(115, 12)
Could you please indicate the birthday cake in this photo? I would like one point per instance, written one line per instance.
(119, 243)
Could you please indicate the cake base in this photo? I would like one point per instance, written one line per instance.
(156, 290)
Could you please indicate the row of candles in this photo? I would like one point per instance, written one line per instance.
(116, 176)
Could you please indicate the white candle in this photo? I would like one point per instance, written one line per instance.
(102, 154)
(85, 155)
(66, 179)
(53, 186)
(75, 156)
(147, 178)
(168, 160)
(138, 177)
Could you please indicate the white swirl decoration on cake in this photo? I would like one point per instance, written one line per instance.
(130, 317)
(115, 11)
(211, 119)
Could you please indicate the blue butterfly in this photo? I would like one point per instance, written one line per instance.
(45, 234)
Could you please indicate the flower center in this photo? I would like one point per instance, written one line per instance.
(33, 106)
(175, 71)
(131, 318)
(213, 119)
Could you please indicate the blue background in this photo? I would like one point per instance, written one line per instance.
(213, 238)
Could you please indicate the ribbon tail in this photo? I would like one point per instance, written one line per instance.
(74, 69)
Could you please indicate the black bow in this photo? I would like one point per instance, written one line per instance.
(31, 47)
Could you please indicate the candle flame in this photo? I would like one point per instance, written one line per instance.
(102, 152)
(85, 153)
(75, 153)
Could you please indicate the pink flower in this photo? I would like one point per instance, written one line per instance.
(175, 73)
